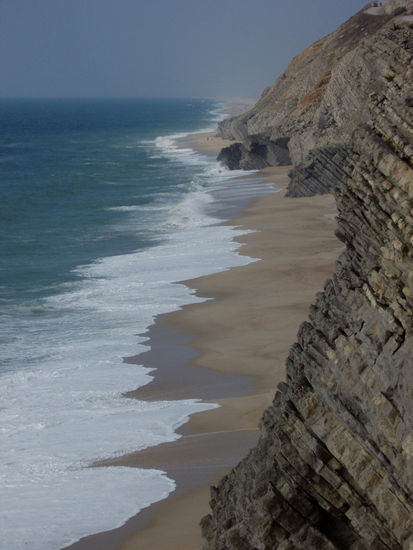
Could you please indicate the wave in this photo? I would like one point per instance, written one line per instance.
(65, 407)
(138, 208)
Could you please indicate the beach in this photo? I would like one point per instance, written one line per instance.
(206, 300)
(232, 349)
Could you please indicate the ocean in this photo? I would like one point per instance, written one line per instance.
(102, 212)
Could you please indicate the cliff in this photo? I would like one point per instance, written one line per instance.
(333, 468)
(316, 102)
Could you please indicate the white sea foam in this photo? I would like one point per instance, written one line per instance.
(65, 409)
(138, 208)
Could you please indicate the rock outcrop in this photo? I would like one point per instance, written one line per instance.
(256, 152)
(303, 104)
(333, 468)
(317, 101)
(323, 171)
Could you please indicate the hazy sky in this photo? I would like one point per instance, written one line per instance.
(151, 48)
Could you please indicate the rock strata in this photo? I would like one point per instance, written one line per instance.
(318, 101)
(312, 99)
(321, 173)
(333, 468)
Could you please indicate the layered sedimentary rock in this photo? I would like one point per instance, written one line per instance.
(321, 173)
(333, 468)
(317, 101)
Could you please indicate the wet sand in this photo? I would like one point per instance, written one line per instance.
(231, 351)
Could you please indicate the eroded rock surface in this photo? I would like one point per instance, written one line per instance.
(319, 100)
(333, 468)
(256, 152)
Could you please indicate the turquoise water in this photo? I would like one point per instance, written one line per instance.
(64, 165)
(102, 211)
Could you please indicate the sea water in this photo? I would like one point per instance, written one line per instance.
(102, 212)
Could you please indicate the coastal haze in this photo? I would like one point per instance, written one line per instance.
(152, 292)
(168, 48)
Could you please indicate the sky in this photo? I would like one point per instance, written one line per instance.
(156, 48)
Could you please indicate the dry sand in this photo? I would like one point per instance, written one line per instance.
(208, 142)
(246, 330)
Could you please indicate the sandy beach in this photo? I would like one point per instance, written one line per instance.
(207, 142)
(233, 350)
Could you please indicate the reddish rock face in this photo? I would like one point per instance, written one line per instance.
(317, 99)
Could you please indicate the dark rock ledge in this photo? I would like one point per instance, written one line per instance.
(256, 152)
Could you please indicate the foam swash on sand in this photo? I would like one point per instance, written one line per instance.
(106, 219)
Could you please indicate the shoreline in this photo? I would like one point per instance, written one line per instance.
(232, 333)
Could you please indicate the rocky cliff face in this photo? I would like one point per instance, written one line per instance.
(317, 100)
(333, 468)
